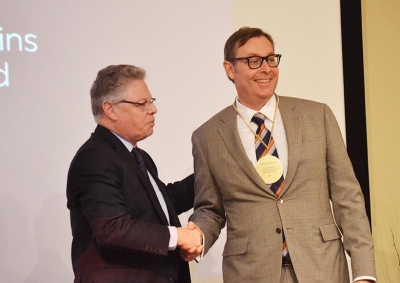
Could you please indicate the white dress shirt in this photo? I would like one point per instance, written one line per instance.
(173, 240)
(247, 137)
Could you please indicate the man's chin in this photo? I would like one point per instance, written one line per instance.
(149, 131)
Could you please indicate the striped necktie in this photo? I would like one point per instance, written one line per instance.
(261, 151)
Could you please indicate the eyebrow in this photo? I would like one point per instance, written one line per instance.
(255, 54)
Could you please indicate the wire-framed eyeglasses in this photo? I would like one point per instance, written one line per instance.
(255, 62)
(141, 105)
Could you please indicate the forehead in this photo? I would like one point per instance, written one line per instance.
(137, 90)
(255, 46)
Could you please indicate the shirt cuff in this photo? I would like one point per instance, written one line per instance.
(364, 278)
(173, 239)
(201, 256)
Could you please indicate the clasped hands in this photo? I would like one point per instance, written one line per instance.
(190, 241)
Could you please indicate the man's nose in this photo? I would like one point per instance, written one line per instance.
(265, 66)
(152, 109)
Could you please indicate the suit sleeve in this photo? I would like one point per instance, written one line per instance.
(348, 202)
(180, 193)
(94, 188)
(209, 213)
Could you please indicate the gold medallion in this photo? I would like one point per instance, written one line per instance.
(270, 168)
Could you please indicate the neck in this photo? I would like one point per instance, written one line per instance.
(254, 104)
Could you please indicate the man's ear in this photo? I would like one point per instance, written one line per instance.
(229, 69)
(109, 111)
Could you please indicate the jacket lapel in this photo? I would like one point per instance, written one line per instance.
(293, 135)
(173, 217)
(230, 136)
(123, 152)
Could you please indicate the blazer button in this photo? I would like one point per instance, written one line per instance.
(280, 200)
(146, 247)
(278, 230)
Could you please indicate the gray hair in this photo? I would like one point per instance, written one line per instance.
(110, 84)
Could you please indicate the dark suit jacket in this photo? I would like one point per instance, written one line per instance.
(119, 229)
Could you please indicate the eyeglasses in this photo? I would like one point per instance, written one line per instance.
(141, 105)
(255, 62)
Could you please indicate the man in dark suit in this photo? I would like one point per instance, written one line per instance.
(124, 220)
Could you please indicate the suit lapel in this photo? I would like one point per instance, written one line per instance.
(173, 217)
(123, 152)
(230, 136)
(293, 135)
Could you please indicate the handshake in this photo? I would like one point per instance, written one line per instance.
(190, 241)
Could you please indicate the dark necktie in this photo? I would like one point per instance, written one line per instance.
(139, 160)
(160, 197)
(261, 151)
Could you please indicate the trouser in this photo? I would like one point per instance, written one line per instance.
(288, 275)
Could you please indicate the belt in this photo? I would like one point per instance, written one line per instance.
(286, 262)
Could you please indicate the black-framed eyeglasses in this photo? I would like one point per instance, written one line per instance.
(255, 62)
(141, 105)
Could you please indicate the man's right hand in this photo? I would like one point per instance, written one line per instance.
(190, 241)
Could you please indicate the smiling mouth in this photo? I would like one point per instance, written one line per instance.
(263, 81)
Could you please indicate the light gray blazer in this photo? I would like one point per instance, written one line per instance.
(229, 190)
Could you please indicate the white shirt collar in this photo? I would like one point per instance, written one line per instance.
(127, 144)
(268, 110)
